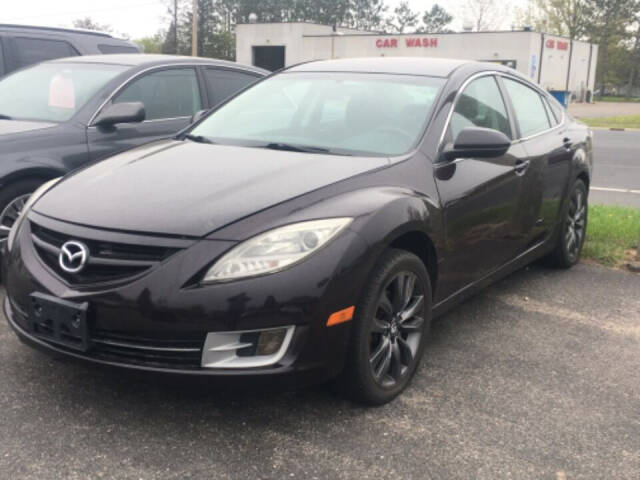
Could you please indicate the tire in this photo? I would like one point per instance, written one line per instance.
(11, 197)
(573, 228)
(380, 334)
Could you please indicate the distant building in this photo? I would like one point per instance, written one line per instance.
(556, 63)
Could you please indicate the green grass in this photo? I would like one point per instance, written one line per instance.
(610, 98)
(612, 231)
(628, 121)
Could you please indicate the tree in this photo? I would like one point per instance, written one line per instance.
(87, 23)
(635, 67)
(608, 22)
(485, 14)
(152, 44)
(436, 20)
(564, 17)
(403, 17)
(367, 14)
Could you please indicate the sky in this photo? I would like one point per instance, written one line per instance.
(140, 18)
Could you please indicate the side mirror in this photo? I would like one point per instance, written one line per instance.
(126, 112)
(479, 143)
(198, 115)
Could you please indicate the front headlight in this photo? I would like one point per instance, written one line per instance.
(275, 250)
(27, 206)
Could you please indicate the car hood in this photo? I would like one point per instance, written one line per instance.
(13, 127)
(191, 189)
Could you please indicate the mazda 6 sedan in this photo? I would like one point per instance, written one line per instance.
(309, 228)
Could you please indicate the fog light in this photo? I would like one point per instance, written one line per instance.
(246, 348)
(270, 341)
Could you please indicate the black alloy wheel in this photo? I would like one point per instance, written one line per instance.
(389, 329)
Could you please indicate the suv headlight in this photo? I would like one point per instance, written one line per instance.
(275, 250)
(41, 190)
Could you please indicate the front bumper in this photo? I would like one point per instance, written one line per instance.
(279, 376)
(163, 307)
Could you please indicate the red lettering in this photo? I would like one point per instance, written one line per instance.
(379, 43)
(551, 43)
(563, 45)
(394, 42)
(421, 42)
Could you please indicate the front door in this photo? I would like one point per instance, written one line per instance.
(170, 98)
(480, 197)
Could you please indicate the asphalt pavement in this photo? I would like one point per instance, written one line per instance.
(536, 378)
(616, 176)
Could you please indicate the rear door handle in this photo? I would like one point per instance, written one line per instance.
(521, 166)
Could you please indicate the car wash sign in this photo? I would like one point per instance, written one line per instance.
(409, 42)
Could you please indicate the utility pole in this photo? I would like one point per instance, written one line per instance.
(194, 30)
(175, 25)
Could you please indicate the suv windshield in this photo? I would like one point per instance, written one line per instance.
(52, 92)
(319, 112)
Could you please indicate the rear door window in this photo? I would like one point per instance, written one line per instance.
(481, 105)
(529, 109)
(28, 51)
(165, 94)
(221, 84)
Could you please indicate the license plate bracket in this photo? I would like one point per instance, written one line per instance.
(59, 321)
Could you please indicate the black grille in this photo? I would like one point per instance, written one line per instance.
(145, 351)
(108, 261)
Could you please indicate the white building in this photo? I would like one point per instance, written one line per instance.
(556, 63)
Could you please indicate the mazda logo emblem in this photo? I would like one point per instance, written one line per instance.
(73, 256)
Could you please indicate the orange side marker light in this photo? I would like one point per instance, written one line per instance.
(340, 316)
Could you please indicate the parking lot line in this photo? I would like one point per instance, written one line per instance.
(618, 190)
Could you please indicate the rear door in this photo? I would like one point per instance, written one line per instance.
(549, 152)
(170, 96)
(480, 196)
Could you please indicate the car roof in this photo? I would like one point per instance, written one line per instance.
(149, 60)
(32, 28)
(434, 67)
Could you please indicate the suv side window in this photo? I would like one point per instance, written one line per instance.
(221, 84)
(481, 105)
(165, 94)
(529, 109)
(27, 51)
(110, 49)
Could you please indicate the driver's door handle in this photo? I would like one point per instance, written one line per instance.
(566, 141)
(521, 166)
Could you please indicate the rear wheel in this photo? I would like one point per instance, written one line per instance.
(573, 228)
(12, 200)
(390, 328)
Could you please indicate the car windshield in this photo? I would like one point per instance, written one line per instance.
(319, 112)
(52, 92)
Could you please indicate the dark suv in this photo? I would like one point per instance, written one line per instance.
(22, 45)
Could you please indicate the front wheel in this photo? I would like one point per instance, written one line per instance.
(12, 200)
(572, 229)
(390, 329)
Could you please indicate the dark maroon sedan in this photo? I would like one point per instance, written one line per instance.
(309, 228)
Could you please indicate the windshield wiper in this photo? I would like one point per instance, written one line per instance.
(5, 117)
(198, 138)
(294, 148)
